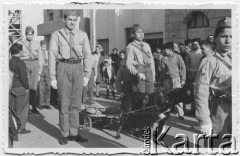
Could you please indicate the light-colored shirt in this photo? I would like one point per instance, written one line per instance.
(135, 57)
(173, 67)
(59, 49)
(43, 59)
(215, 75)
(30, 49)
(194, 58)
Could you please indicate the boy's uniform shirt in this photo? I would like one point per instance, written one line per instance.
(34, 46)
(135, 56)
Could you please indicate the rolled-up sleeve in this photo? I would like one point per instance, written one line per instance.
(53, 50)
(87, 57)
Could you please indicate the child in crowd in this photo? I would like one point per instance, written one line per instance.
(121, 61)
(109, 76)
(114, 58)
(20, 86)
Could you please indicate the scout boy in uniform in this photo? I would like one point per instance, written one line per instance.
(72, 50)
(30, 57)
(140, 63)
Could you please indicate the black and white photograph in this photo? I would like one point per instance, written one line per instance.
(112, 78)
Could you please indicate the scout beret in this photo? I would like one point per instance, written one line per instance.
(70, 13)
(135, 27)
(224, 23)
(29, 29)
(42, 42)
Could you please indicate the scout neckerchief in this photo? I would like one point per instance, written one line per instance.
(29, 48)
(142, 49)
(223, 61)
(73, 49)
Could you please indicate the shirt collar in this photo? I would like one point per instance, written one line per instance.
(68, 31)
(138, 42)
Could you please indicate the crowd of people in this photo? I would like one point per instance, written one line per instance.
(72, 70)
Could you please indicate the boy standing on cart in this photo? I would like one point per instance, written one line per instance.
(140, 63)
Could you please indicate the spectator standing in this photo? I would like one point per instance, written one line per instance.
(88, 90)
(99, 80)
(109, 77)
(20, 86)
(44, 83)
(114, 57)
(173, 72)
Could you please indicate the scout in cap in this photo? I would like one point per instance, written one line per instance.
(139, 61)
(71, 49)
(44, 83)
(30, 55)
(214, 80)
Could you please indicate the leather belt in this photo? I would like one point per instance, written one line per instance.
(70, 61)
(143, 65)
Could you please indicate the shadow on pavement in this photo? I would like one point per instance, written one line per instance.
(96, 141)
(39, 122)
(182, 124)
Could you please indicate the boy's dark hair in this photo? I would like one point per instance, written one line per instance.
(187, 41)
(42, 42)
(168, 45)
(198, 40)
(207, 42)
(15, 48)
(122, 52)
(114, 49)
(135, 27)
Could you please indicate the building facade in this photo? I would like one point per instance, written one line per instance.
(181, 24)
(111, 27)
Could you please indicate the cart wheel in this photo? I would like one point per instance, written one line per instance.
(88, 123)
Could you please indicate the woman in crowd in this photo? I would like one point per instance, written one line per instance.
(99, 78)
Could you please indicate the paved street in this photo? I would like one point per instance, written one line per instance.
(45, 132)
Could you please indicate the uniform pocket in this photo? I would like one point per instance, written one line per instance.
(79, 47)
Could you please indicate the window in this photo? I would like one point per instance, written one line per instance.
(50, 16)
(197, 19)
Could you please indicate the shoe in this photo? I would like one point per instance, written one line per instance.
(78, 138)
(40, 107)
(24, 131)
(97, 96)
(35, 111)
(63, 140)
(180, 117)
(47, 107)
(118, 137)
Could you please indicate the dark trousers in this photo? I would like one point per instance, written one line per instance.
(70, 86)
(33, 68)
(21, 108)
(88, 90)
(44, 87)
